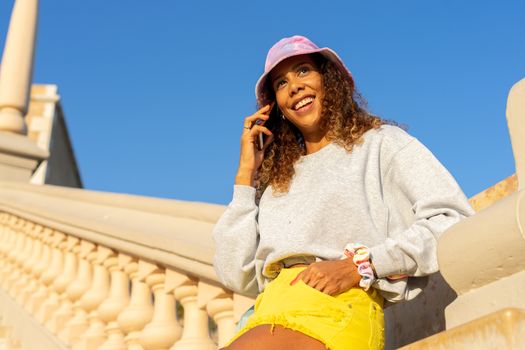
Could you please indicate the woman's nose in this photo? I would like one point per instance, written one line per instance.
(295, 87)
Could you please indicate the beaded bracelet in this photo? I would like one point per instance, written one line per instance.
(360, 255)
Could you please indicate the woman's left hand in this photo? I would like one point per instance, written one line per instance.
(330, 277)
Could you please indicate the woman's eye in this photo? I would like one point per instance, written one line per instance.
(303, 70)
(280, 84)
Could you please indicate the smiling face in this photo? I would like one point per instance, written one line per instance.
(299, 93)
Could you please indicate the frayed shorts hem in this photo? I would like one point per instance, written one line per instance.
(350, 320)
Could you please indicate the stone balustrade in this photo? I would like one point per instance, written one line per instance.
(87, 270)
(105, 271)
(108, 271)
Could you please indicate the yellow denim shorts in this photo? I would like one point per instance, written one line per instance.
(351, 320)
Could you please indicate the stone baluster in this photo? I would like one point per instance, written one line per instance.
(7, 247)
(95, 334)
(72, 266)
(218, 302)
(27, 250)
(36, 298)
(164, 329)
(13, 273)
(4, 237)
(195, 334)
(49, 276)
(33, 232)
(15, 259)
(116, 302)
(31, 285)
(28, 246)
(4, 219)
(8, 244)
(17, 262)
(56, 321)
(139, 311)
(75, 318)
(5, 241)
(17, 66)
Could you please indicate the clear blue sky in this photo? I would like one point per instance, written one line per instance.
(155, 92)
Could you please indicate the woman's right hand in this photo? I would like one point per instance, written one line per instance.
(251, 157)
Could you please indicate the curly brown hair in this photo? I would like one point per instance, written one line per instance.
(343, 116)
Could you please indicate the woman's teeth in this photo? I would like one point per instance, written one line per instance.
(303, 102)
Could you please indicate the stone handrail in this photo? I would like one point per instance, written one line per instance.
(68, 258)
(86, 264)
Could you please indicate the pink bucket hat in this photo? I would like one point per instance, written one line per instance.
(294, 46)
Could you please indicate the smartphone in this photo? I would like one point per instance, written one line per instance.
(268, 124)
(260, 144)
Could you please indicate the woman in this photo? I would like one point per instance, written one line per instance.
(334, 214)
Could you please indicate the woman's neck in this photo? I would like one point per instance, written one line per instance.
(314, 145)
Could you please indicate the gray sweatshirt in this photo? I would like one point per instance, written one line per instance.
(390, 193)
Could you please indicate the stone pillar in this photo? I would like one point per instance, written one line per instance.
(516, 122)
(483, 256)
(19, 155)
(16, 70)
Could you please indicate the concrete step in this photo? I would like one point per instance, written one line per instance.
(503, 329)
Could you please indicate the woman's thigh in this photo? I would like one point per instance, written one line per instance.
(264, 338)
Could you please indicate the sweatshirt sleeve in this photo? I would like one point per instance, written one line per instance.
(236, 238)
(437, 202)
